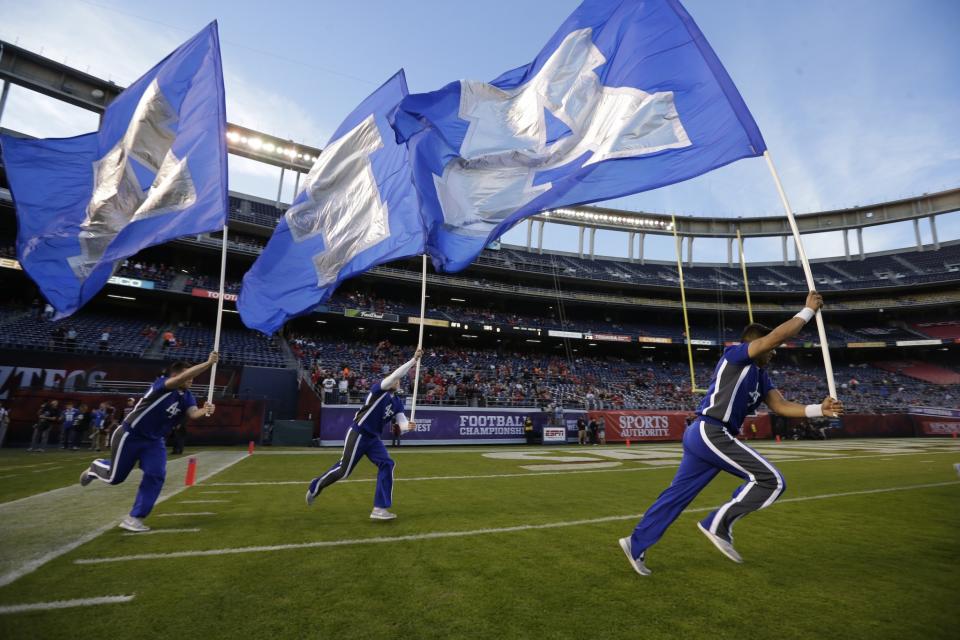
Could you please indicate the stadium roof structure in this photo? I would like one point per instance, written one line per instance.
(60, 81)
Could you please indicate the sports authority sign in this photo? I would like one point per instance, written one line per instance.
(635, 426)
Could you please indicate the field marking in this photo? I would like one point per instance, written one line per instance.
(28, 466)
(63, 604)
(574, 470)
(152, 531)
(202, 501)
(186, 513)
(215, 492)
(48, 469)
(65, 512)
(461, 534)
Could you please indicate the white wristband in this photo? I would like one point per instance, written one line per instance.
(813, 411)
(806, 314)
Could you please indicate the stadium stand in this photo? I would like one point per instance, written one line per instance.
(237, 346)
(921, 371)
(81, 333)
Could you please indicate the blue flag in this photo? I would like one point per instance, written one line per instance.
(627, 96)
(156, 170)
(358, 209)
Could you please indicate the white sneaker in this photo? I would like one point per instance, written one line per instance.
(726, 548)
(87, 477)
(381, 514)
(636, 563)
(134, 524)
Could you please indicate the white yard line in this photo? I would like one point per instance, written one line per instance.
(43, 527)
(202, 501)
(47, 469)
(215, 492)
(63, 604)
(461, 534)
(185, 514)
(534, 474)
(153, 531)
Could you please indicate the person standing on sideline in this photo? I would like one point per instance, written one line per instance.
(395, 431)
(740, 383)
(4, 422)
(140, 439)
(127, 410)
(97, 436)
(581, 431)
(82, 425)
(528, 432)
(380, 407)
(70, 416)
(48, 416)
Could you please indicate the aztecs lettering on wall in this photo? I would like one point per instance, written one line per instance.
(13, 377)
(59, 372)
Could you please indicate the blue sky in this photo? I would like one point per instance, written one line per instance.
(858, 100)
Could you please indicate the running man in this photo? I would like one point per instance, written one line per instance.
(140, 438)
(740, 383)
(380, 408)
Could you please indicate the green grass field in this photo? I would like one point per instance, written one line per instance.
(490, 543)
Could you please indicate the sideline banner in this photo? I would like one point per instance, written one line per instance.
(638, 426)
(450, 425)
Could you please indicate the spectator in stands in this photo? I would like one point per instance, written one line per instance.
(329, 386)
(344, 388)
(169, 339)
(48, 311)
(69, 421)
(71, 338)
(57, 337)
(105, 339)
(47, 417)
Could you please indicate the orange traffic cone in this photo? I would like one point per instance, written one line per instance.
(250, 448)
(778, 439)
(191, 472)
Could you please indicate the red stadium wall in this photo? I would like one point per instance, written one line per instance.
(309, 406)
(235, 421)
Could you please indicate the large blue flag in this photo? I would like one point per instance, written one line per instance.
(156, 170)
(358, 209)
(627, 96)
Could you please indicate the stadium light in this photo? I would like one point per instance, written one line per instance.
(398, 329)
(457, 300)
(110, 295)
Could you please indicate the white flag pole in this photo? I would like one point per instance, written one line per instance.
(216, 333)
(423, 312)
(811, 285)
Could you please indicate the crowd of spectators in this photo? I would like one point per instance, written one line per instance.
(344, 372)
(160, 274)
